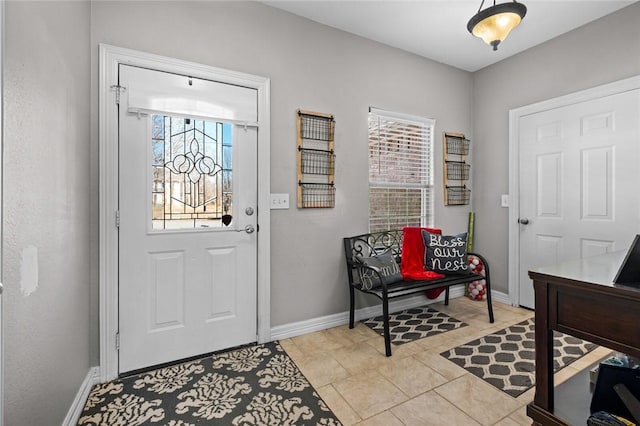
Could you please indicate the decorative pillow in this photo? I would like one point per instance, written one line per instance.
(446, 254)
(385, 263)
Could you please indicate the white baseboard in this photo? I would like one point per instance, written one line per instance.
(498, 296)
(299, 328)
(73, 415)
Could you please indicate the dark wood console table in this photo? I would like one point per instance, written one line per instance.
(580, 299)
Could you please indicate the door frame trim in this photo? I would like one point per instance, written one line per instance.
(110, 58)
(515, 114)
(2, 29)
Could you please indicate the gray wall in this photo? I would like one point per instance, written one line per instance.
(601, 52)
(46, 209)
(51, 162)
(314, 67)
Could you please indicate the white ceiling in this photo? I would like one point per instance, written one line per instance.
(437, 29)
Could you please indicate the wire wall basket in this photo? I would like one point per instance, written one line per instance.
(457, 145)
(457, 170)
(317, 161)
(457, 195)
(316, 127)
(318, 195)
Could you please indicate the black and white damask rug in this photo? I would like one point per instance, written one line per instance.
(257, 385)
(413, 324)
(506, 358)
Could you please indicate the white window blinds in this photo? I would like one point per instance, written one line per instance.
(400, 170)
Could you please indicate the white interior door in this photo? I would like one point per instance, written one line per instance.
(187, 212)
(579, 175)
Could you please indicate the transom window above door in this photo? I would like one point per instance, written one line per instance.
(192, 186)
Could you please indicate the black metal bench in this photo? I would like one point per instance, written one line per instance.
(367, 245)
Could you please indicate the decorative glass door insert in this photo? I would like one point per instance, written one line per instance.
(192, 173)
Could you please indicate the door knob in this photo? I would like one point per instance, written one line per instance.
(249, 229)
(523, 221)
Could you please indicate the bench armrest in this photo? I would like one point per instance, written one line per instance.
(485, 264)
(358, 269)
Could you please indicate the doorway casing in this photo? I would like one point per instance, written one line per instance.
(514, 156)
(110, 58)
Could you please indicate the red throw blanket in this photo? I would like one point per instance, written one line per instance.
(412, 261)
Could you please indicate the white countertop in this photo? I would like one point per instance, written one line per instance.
(600, 269)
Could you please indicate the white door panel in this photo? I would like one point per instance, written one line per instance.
(549, 185)
(578, 182)
(597, 183)
(593, 247)
(187, 280)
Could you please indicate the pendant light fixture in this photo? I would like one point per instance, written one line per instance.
(495, 23)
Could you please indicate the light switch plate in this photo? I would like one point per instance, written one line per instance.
(504, 200)
(279, 201)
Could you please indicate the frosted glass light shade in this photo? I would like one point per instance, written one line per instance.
(495, 23)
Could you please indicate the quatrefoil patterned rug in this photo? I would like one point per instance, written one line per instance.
(257, 385)
(506, 358)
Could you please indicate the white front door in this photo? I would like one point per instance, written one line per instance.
(187, 217)
(579, 176)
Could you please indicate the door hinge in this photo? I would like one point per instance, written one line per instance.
(118, 89)
(117, 218)
(117, 341)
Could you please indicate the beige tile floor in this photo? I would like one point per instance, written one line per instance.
(415, 386)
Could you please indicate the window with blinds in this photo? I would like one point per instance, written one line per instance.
(400, 170)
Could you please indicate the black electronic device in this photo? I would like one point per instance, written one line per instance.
(605, 397)
(630, 401)
(629, 272)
